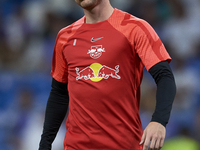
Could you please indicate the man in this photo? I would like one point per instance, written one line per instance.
(98, 61)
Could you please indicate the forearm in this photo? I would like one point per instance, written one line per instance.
(165, 94)
(56, 110)
(164, 99)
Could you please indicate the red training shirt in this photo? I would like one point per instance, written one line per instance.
(103, 65)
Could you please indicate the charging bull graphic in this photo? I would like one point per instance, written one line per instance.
(106, 72)
(86, 73)
(97, 72)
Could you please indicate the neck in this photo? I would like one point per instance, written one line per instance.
(99, 13)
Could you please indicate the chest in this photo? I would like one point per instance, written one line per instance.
(104, 46)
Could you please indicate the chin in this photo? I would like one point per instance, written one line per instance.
(87, 4)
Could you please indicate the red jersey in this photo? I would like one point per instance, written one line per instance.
(103, 65)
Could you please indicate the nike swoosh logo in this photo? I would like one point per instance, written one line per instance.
(94, 40)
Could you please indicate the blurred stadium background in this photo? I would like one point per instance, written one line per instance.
(28, 29)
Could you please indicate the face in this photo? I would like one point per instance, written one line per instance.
(88, 4)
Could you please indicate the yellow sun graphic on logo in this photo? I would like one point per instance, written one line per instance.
(96, 67)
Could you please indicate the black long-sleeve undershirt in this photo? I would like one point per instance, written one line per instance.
(166, 90)
(56, 110)
(57, 104)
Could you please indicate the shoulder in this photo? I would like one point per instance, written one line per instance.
(69, 30)
(125, 18)
(129, 24)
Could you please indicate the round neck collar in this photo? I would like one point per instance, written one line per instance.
(98, 23)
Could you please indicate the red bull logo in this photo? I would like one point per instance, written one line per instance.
(96, 51)
(96, 72)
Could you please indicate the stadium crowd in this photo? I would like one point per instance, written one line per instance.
(28, 30)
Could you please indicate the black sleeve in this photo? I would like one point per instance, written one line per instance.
(56, 110)
(166, 90)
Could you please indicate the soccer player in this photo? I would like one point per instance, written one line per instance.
(97, 69)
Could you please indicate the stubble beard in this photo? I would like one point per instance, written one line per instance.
(87, 4)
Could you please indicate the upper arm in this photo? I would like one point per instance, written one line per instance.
(160, 70)
(148, 45)
(59, 64)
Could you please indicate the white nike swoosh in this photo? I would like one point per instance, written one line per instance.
(94, 40)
